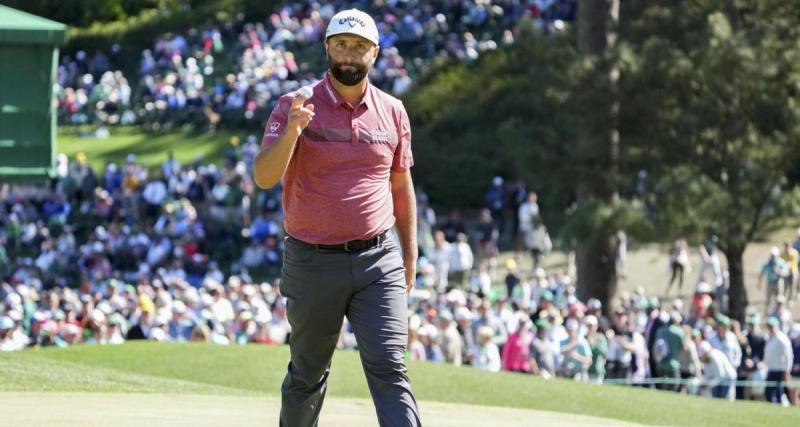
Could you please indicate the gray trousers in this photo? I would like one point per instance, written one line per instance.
(368, 287)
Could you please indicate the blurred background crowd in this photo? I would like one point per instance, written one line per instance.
(234, 71)
(192, 253)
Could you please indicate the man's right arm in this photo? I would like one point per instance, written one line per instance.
(271, 162)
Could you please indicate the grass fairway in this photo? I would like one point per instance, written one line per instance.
(150, 147)
(259, 370)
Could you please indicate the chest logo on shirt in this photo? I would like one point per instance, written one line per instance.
(378, 136)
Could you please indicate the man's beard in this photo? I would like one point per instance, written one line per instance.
(348, 77)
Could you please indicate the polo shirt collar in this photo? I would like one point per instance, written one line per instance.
(337, 101)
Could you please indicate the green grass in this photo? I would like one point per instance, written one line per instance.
(248, 370)
(150, 147)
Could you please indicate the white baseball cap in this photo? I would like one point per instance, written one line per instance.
(353, 21)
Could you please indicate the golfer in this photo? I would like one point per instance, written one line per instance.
(343, 155)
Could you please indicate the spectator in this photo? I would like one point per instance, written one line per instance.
(427, 336)
(782, 313)
(599, 346)
(527, 212)
(773, 272)
(791, 256)
(460, 262)
(717, 370)
(691, 368)
(543, 351)
(416, 349)
(577, 354)
(725, 341)
(488, 235)
(668, 347)
(538, 241)
(450, 340)
(487, 356)
(678, 263)
(440, 258)
(454, 226)
(516, 351)
(494, 201)
(487, 317)
(779, 359)
(512, 278)
(710, 262)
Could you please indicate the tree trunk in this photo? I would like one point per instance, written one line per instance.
(597, 271)
(596, 256)
(737, 294)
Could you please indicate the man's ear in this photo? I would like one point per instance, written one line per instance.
(377, 52)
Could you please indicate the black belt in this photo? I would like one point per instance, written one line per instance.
(351, 246)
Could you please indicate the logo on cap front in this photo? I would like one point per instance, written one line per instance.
(352, 21)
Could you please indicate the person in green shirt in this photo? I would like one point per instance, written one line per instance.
(599, 345)
(667, 350)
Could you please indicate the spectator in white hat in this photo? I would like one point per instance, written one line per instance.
(427, 336)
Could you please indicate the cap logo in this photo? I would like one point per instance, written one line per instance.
(352, 21)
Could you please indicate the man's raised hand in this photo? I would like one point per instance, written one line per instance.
(300, 115)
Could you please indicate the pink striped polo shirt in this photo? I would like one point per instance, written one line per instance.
(336, 187)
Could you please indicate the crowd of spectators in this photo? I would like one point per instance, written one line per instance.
(232, 72)
(171, 256)
(105, 252)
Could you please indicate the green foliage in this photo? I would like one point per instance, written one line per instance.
(708, 105)
(502, 115)
(719, 99)
(83, 13)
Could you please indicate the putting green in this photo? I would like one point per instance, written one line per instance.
(156, 410)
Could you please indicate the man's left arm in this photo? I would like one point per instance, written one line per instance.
(405, 211)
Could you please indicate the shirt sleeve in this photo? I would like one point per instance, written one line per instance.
(276, 123)
(403, 158)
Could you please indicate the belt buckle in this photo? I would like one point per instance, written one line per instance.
(346, 248)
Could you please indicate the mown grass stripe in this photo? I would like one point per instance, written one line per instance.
(207, 369)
